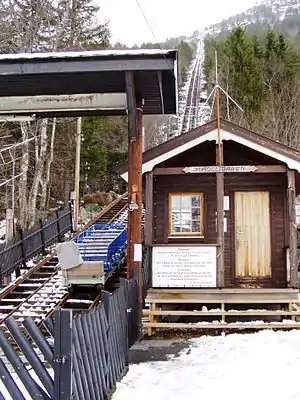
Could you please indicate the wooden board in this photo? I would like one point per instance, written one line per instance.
(252, 235)
(218, 301)
(183, 313)
(227, 295)
(214, 326)
(209, 169)
(206, 183)
(232, 291)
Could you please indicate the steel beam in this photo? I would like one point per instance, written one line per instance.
(57, 66)
(73, 102)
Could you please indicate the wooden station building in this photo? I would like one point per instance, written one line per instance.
(261, 181)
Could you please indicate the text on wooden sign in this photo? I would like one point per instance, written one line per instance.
(219, 168)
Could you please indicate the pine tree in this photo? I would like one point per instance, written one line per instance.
(81, 27)
(281, 62)
(93, 154)
(245, 79)
(185, 55)
(263, 75)
(282, 46)
(271, 45)
(257, 47)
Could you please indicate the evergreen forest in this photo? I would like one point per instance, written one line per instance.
(261, 72)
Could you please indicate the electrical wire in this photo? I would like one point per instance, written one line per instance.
(154, 36)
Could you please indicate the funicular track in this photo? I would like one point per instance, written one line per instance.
(38, 292)
(194, 111)
(190, 117)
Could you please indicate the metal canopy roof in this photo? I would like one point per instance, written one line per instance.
(68, 73)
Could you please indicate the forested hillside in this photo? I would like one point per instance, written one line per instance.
(47, 163)
(160, 128)
(186, 48)
(279, 15)
(262, 73)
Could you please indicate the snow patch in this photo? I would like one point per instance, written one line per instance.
(20, 385)
(252, 366)
(85, 54)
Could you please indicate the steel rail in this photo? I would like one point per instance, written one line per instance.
(51, 256)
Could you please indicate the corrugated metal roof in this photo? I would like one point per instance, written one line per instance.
(93, 72)
(88, 54)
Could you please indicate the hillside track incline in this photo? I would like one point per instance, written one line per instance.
(40, 290)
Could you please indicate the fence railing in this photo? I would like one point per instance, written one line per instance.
(85, 358)
(30, 242)
(39, 359)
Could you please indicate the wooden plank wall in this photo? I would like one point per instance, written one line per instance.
(275, 183)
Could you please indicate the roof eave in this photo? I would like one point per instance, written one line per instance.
(30, 75)
(258, 142)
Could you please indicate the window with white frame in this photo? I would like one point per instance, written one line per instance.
(186, 214)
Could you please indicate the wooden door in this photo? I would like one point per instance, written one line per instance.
(252, 235)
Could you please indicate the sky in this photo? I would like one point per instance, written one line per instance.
(167, 18)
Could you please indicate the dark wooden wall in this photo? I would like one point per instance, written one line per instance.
(206, 183)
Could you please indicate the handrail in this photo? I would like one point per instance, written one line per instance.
(116, 247)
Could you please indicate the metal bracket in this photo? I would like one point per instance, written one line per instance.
(133, 206)
(60, 360)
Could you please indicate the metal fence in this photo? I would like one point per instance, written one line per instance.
(85, 358)
(28, 243)
(101, 341)
(36, 356)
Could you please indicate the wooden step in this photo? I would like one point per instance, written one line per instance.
(186, 313)
(159, 309)
(224, 290)
(222, 295)
(223, 326)
(195, 300)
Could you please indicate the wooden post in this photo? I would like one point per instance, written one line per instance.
(130, 219)
(9, 233)
(77, 174)
(220, 193)
(137, 264)
(135, 127)
(149, 209)
(132, 137)
(220, 228)
(292, 229)
(9, 228)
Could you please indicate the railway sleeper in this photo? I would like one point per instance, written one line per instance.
(34, 298)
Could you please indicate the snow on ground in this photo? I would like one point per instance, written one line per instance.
(263, 365)
(21, 387)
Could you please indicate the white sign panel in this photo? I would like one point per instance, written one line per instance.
(226, 203)
(137, 252)
(184, 266)
(219, 168)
